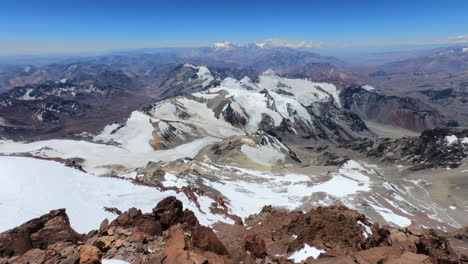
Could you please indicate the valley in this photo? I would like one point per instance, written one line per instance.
(270, 131)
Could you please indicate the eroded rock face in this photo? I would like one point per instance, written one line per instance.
(439, 147)
(171, 235)
(38, 233)
(402, 112)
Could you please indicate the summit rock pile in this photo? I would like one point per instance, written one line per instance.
(170, 234)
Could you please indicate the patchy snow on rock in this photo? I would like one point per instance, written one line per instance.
(367, 230)
(306, 91)
(391, 217)
(451, 139)
(452, 207)
(203, 74)
(304, 253)
(31, 187)
(248, 190)
(465, 140)
(264, 155)
(100, 159)
(27, 96)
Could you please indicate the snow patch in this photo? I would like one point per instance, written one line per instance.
(451, 139)
(368, 230)
(306, 252)
(390, 216)
(114, 261)
(31, 187)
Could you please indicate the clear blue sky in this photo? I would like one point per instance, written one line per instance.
(74, 25)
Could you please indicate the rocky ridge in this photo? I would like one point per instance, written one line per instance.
(170, 234)
(435, 148)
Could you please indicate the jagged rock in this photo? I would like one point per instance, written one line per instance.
(458, 248)
(90, 255)
(104, 243)
(412, 258)
(104, 226)
(256, 245)
(38, 233)
(407, 112)
(32, 256)
(204, 238)
(271, 239)
(402, 240)
(331, 159)
(378, 255)
(430, 150)
(169, 212)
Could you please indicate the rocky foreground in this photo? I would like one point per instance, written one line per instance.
(170, 234)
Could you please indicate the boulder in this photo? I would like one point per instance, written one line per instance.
(90, 255)
(256, 245)
(38, 233)
(409, 257)
(377, 255)
(204, 238)
(169, 212)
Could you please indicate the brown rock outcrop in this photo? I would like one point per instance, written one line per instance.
(38, 233)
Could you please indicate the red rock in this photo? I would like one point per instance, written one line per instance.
(335, 260)
(169, 212)
(400, 239)
(190, 218)
(410, 258)
(175, 251)
(38, 233)
(458, 248)
(104, 226)
(416, 230)
(256, 245)
(104, 243)
(377, 255)
(147, 225)
(90, 255)
(32, 256)
(204, 238)
(118, 243)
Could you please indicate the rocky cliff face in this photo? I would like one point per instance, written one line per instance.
(172, 235)
(440, 147)
(69, 99)
(391, 110)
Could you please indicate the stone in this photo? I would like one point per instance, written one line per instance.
(256, 245)
(32, 256)
(38, 233)
(168, 212)
(409, 257)
(377, 255)
(104, 226)
(204, 238)
(104, 243)
(90, 255)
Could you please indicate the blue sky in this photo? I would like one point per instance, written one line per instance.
(65, 26)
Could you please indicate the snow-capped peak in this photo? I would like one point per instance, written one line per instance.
(224, 44)
(269, 72)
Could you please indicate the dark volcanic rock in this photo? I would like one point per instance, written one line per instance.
(402, 112)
